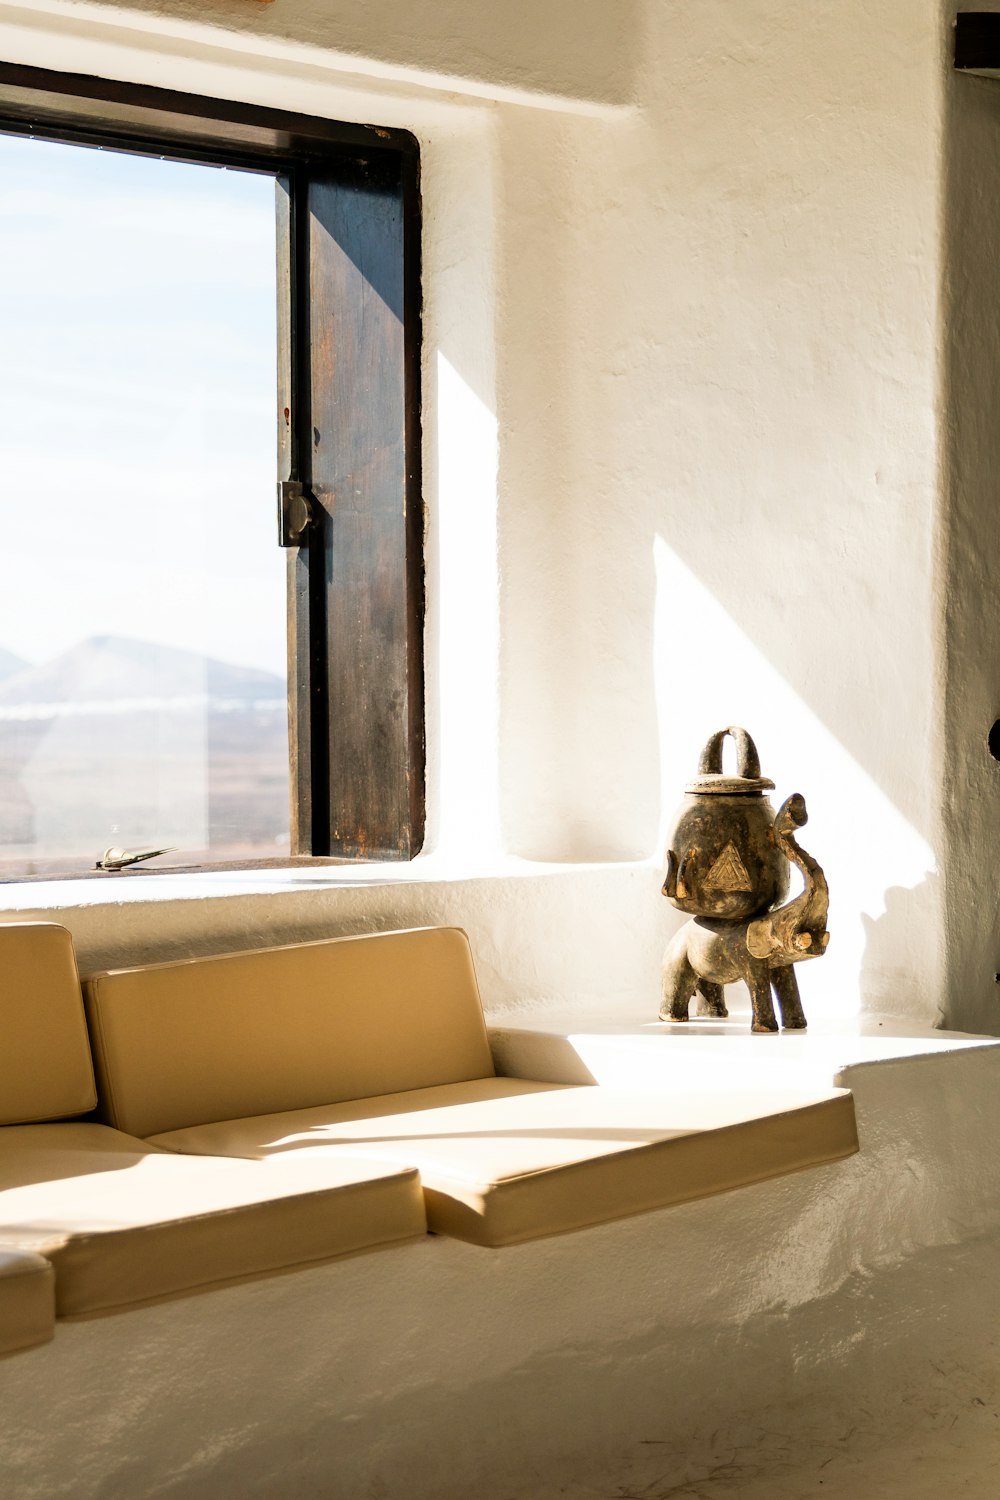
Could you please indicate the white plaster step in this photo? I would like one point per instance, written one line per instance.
(623, 1047)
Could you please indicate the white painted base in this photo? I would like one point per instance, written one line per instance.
(888, 1391)
(757, 1335)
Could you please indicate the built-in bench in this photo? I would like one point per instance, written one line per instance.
(267, 1110)
(376, 1047)
(123, 1222)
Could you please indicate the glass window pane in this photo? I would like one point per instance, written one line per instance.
(143, 695)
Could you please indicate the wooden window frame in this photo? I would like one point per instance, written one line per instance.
(348, 389)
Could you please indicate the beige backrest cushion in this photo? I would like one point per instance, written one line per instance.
(45, 1066)
(208, 1039)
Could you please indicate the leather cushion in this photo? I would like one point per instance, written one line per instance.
(46, 1070)
(503, 1160)
(124, 1223)
(206, 1039)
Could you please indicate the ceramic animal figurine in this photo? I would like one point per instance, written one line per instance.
(730, 873)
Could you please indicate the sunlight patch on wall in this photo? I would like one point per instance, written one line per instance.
(469, 632)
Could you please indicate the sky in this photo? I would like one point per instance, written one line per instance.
(137, 404)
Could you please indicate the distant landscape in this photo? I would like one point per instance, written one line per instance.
(133, 743)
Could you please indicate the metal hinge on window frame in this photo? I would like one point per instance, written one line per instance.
(296, 512)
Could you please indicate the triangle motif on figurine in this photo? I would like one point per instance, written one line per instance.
(729, 872)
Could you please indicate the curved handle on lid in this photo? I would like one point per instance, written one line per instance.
(747, 759)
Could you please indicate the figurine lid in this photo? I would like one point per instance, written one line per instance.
(747, 782)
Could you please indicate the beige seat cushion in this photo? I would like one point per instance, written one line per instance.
(27, 1300)
(504, 1160)
(284, 1028)
(123, 1223)
(46, 1069)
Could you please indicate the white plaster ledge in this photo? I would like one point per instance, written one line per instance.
(589, 1045)
(156, 882)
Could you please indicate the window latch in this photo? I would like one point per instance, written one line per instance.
(296, 512)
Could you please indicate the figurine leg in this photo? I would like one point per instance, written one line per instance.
(758, 981)
(786, 989)
(713, 998)
(679, 980)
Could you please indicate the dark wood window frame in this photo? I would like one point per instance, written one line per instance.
(348, 403)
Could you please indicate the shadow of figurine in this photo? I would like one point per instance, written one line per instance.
(897, 974)
(731, 874)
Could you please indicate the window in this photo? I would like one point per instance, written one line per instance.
(170, 676)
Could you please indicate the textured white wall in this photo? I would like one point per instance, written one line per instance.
(971, 550)
(683, 379)
(721, 385)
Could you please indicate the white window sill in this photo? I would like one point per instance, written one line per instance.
(151, 883)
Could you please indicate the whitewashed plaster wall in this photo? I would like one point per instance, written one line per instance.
(683, 429)
(972, 546)
(731, 433)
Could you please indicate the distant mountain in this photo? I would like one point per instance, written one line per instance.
(9, 663)
(111, 668)
(165, 745)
